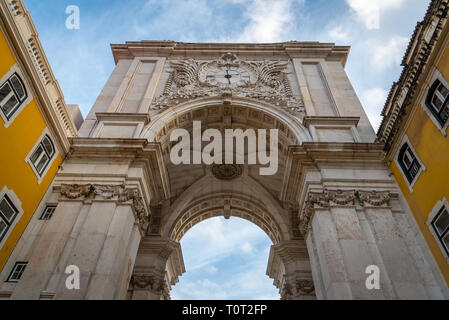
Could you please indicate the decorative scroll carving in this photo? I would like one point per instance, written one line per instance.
(123, 194)
(263, 80)
(75, 191)
(286, 292)
(297, 288)
(280, 98)
(107, 192)
(227, 171)
(154, 283)
(143, 281)
(138, 206)
(374, 198)
(341, 198)
(305, 286)
(185, 72)
(320, 199)
(229, 60)
(271, 73)
(176, 96)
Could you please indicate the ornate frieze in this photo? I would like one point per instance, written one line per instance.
(119, 192)
(374, 198)
(229, 77)
(329, 198)
(75, 191)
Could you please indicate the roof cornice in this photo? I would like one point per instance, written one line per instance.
(22, 31)
(420, 51)
(292, 49)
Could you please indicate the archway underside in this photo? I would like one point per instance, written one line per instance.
(223, 117)
(227, 205)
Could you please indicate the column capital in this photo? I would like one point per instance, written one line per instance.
(300, 287)
(289, 266)
(159, 263)
(337, 198)
(152, 282)
(114, 192)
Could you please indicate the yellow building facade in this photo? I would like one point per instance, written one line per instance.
(34, 125)
(415, 131)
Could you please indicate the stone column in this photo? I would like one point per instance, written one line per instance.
(289, 266)
(96, 228)
(159, 263)
(348, 231)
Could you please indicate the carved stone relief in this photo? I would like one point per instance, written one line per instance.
(227, 171)
(297, 288)
(227, 77)
(150, 282)
(119, 192)
(339, 198)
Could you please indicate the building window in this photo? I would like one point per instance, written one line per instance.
(17, 271)
(48, 212)
(437, 101)
(12, 95)
(408, 162)
(441, 226)
(43, 154)
(8, 213)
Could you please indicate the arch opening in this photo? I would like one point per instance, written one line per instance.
(225, 259)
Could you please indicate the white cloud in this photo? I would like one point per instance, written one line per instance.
(212, 270)
(338, 34)
(373, 101)
(221, 240)
(269, 21)
(386, 55)
(199, 290)
(369, 11)
(236, 247)
(247, 247)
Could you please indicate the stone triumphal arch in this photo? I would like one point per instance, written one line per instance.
(332, 209)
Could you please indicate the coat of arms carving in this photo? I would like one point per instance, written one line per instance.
(227, 77)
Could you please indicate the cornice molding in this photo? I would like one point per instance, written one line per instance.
(417, 58)
(20, 27)
(310, 155)
(137, 151)
(292, 49)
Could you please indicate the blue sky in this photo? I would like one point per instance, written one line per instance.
(227, 259)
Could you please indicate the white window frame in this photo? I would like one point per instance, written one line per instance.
(18, 205)
(435, 76)
(46, 132)
(433, 213)
(15, 69)
(410, 185)
(44, 211)
(16, 264)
